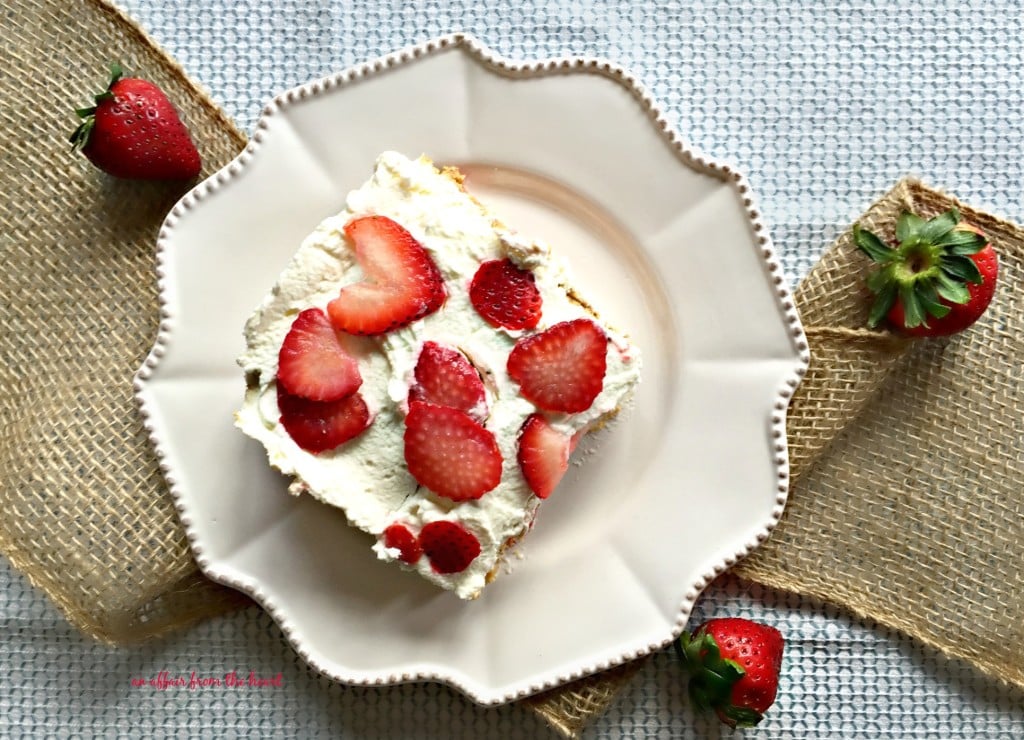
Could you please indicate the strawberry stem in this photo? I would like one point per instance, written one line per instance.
(712, 678)
(927, 270)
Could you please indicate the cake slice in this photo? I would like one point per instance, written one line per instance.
(428, 371)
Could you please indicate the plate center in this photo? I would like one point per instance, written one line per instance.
(609, 266)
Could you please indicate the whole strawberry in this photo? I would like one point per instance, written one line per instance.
(134, 132)
(937, 281)
(734, 668)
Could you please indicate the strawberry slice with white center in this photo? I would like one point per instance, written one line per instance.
(445, 377)
(449, 546)
(449, 452)
(399, 537)
(563, 367)
(402, 282)
(505, 295)
(317, 426)
(543, 455)
(312, 362)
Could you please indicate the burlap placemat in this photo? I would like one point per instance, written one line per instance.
(907, 468)
(914, 514)
(906, 457)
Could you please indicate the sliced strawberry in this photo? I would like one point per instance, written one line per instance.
(313, 364)
(446, 378)
(402, 282)
(449, 546)
(322, 425)
(505, 295)
(450, 453)
(400, 537)
(543, 455)
(561, 368)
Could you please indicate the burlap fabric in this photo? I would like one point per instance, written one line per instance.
(906, 456)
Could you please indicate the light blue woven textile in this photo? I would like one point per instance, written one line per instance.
(823, 105)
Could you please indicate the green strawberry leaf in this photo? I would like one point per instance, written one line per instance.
(951, 290)
(960, 238)
(871, 245)
(881, 277)
(966, 250)
(962, 268)
(883, 303)
(929, 298)
(909, 226)
(913, 311)
(712, 677)
(940, 225)
(716, 684)
(692, 648)
(80, 136)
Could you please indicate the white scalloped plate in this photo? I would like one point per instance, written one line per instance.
(692, 477)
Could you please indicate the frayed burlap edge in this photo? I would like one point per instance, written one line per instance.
(568, 708)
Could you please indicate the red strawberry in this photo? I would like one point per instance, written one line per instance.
(734, 668)
(561, 368)
(543, 455)
(313, 364)
(401, 538)
(450, 453)
(938, 280)
(402, 282)
(133, 131)
(505, 295)
(449, 546)
(446, 378)
(322, 425)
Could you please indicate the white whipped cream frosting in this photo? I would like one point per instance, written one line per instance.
(367, 476)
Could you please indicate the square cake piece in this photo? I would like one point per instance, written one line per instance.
(428, 371)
